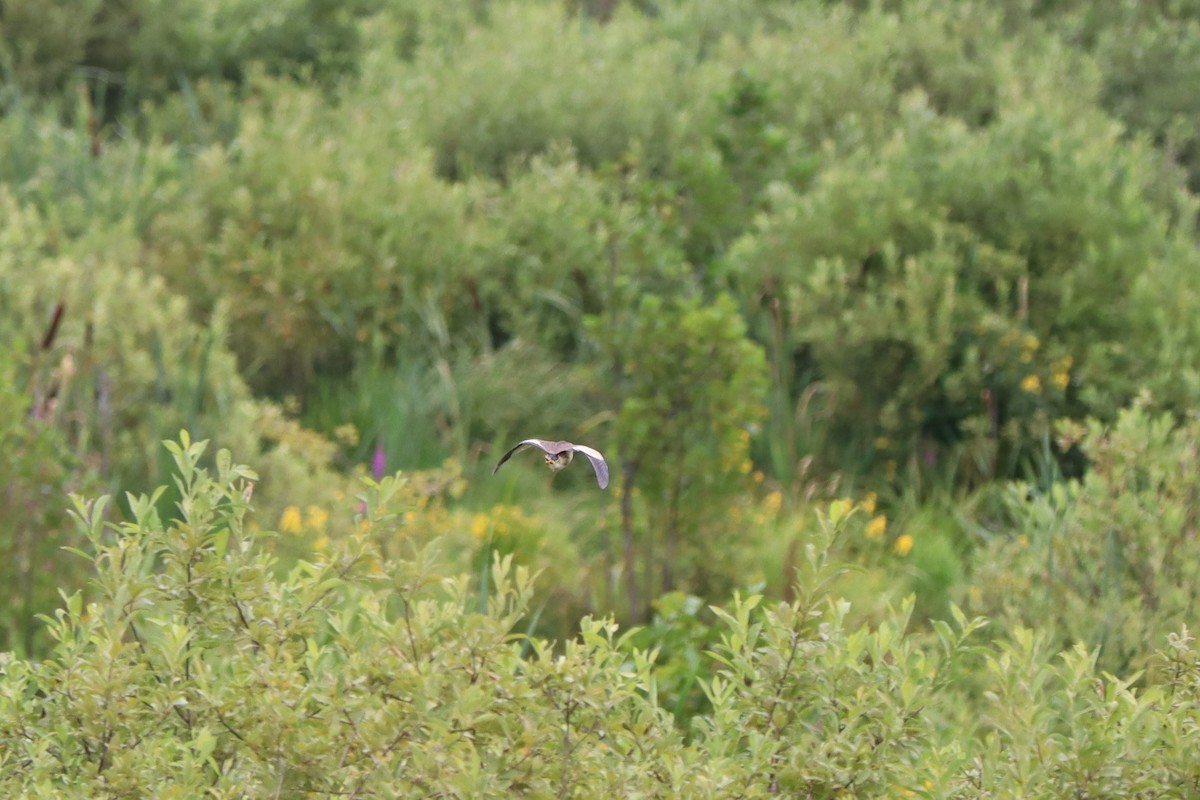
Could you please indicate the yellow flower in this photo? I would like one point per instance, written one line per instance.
(876, 527)
(773, 502)
(1023, 540)
(1061, 379)
(321, 544)
(903, 544)
(291, 522)
(317, 518)
(1030, 342)
(868, 503)
(479, 525)
(1031, 384)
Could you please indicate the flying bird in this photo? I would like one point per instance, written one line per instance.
(559, 454)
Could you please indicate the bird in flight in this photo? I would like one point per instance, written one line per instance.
(559, 454)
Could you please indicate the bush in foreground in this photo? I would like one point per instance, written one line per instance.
(196, 671)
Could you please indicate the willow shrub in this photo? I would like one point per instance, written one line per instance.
(325, 226)
(128, 363)
(616, 88)
(960, 285)
(1108, 561)
(145, 48)
(199, 669)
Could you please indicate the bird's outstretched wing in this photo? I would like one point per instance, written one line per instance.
(598, 463)
(541, 444)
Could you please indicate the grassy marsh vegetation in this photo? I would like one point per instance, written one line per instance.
(884, 314)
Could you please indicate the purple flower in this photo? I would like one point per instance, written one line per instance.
(378, 461)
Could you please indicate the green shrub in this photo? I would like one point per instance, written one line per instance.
(607, 90)
(147, 47)
(687, 387)
(40, 465)
(961, 286)
(548, 264)
(200, 669)
(934, 550)
(1107, 561)
(1146, 53)
(326, 227)
(214, 677)
(134, 363)
(81, 182)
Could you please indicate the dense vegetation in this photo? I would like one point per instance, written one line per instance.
(882, 312)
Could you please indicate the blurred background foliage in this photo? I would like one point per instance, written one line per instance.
(935, 258)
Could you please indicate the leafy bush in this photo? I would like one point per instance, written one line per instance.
(548, 262)
(147, 47)
(199, 670)
(1107, 561)
(326, 227)
(616, 88)
(132, 373)
(927, 318)
(132, 362)
(39, 463)
(685, 387)
(1146, 53)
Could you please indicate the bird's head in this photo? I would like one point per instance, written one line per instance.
(557, 461)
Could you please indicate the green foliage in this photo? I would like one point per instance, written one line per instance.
(821, 710)
(1147, 55)
(329, 246)
(687, 381)
(38, 462)
(548, 263)
(197, 671)
(128, 363)
(126, 377)
(929, 318)
(937, 565)
(614, 89)
(147, 46)
(1058, 727)
(680, 633)
(916, 237)
(1106, 561)
(201, 668)
(899, 197)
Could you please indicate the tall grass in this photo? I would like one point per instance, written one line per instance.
(398, 409)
